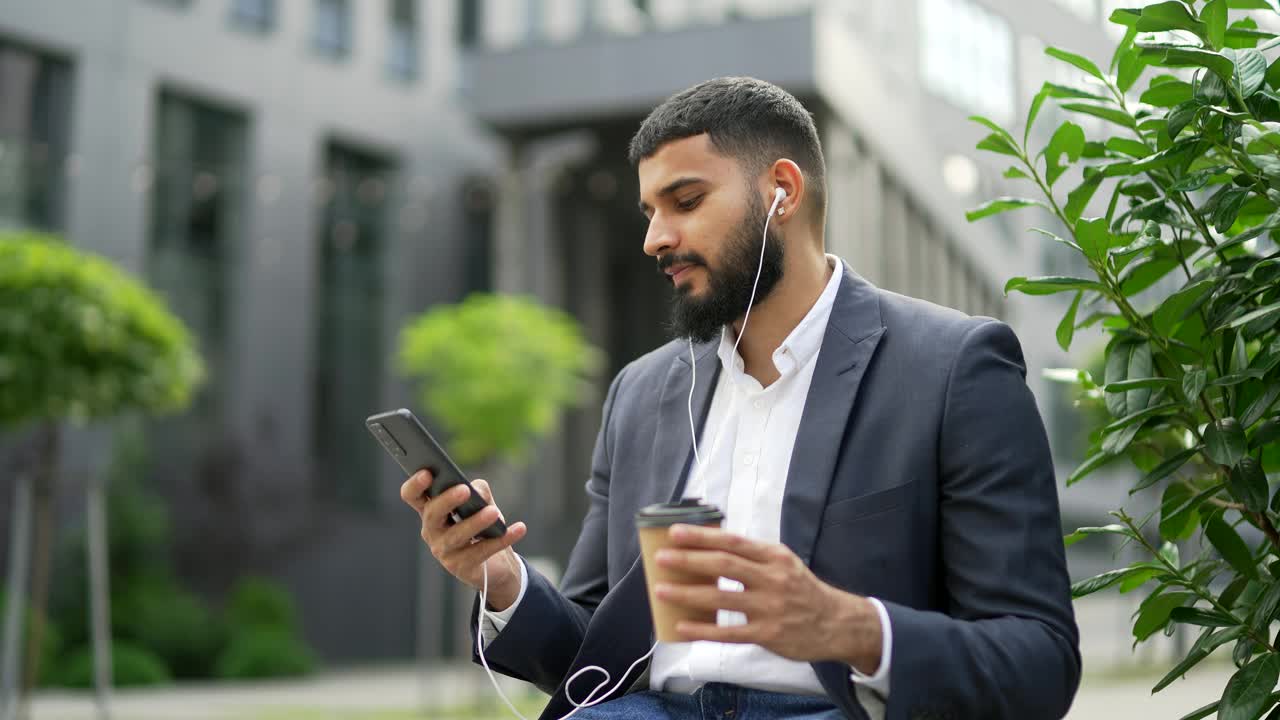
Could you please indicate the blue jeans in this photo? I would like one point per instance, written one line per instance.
(713, 701)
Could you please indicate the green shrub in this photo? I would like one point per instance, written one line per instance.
(264, 652)
(160, 616)
(1182, 273)
(131, 666)
(260, 603)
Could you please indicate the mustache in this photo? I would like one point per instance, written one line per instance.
(690, 258)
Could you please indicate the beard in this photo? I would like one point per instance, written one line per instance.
(729, 284)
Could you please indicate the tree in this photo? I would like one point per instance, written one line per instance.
(80, 340)
(1184, 278)
(496, 371)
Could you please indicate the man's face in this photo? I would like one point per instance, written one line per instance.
(706, 221)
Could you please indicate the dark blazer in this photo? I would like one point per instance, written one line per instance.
(921, 476)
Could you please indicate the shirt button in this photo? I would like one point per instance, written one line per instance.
(759, 404)
(749, 460)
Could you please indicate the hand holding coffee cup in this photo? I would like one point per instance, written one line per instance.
(653, 523)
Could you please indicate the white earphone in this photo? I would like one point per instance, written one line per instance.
(594, 697)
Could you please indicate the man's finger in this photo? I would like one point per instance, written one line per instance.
(413, 491)
(710, 597)
(476, 553)
(694, 536)
(713, 563)
(461, 534)
(438, 509)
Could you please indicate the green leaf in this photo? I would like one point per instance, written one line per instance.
(993, 127)
(1214, 17)
(1093, 462)
(1132, 148)
(1050, 284)
(1094, 237)
(1229, 544)
(1202, 712)
(1110, 114)
(1250, 5)
(1202, 648)
(1267, 432)
(1250, 70)
(1226, 211)
(1067, 140)
(1141, 416)
(1181, 116)
(1067, 327)
(1142, 577)
(1077, 199)
(1169, 553)
(1193, 384)
(999, 144)
(1167, 94)
(1129, 66)
(1174, 308)
(1154, 613)
(1259, 407)
(1142, 274)
(1179, 512)
(1170, 15)
(1254, 315)
(1165, 469)
(1248, 484)
(1084, 532)
(1224, 441)
(1014, 173)
(1265, 611)
(1210, 89)
(1125, 361)
(1081, 62)
(1099, 582)
(1202, 617)
(1182, 56)
(1249, 690)
(999, 205)
(1139, 383)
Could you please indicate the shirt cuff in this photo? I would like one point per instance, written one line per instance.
(880, 681)
(495, 621)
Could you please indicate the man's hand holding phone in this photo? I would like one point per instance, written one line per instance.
(455, 546)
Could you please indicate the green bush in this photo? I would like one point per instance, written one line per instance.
(131, 666)
(264, 652)
(171, 622)
(1182, 273)
(50, 646)
(496, 371)
(260, 603)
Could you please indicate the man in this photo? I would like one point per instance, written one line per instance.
(892, 543)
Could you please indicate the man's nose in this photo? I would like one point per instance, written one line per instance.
(659, 239)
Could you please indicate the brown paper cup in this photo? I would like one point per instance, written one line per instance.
(653, 524)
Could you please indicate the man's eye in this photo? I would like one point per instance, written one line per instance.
(689, 204)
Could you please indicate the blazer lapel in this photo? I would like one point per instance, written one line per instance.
(853, 333)
(672, 447)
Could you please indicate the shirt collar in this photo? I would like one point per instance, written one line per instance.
(805, 339)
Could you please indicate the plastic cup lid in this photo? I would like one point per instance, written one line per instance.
(689, 510)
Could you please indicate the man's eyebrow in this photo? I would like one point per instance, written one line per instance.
(671, 187)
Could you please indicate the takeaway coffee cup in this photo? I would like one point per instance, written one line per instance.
(653, 522)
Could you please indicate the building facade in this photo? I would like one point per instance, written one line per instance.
(298, 177)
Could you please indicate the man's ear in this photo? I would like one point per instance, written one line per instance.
(787, 175)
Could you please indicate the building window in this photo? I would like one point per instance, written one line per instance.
(35, 114)
(402, 48)
(349, 368)
(333, 27)
(256, 15)
(197, 221)
(966, 56)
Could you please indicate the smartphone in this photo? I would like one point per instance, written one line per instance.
(401, 434)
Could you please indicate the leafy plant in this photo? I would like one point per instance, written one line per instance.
(131, 666)
(1183, 275)
(80, 340)
(496, 371)
(261, 652)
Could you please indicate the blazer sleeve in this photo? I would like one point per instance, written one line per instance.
(539, 642)
(1008, 645)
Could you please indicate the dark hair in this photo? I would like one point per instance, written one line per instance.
(750, 120)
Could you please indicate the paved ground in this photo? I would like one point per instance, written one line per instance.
(1117, 685)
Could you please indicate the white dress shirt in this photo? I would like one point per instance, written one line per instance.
(744, 474)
